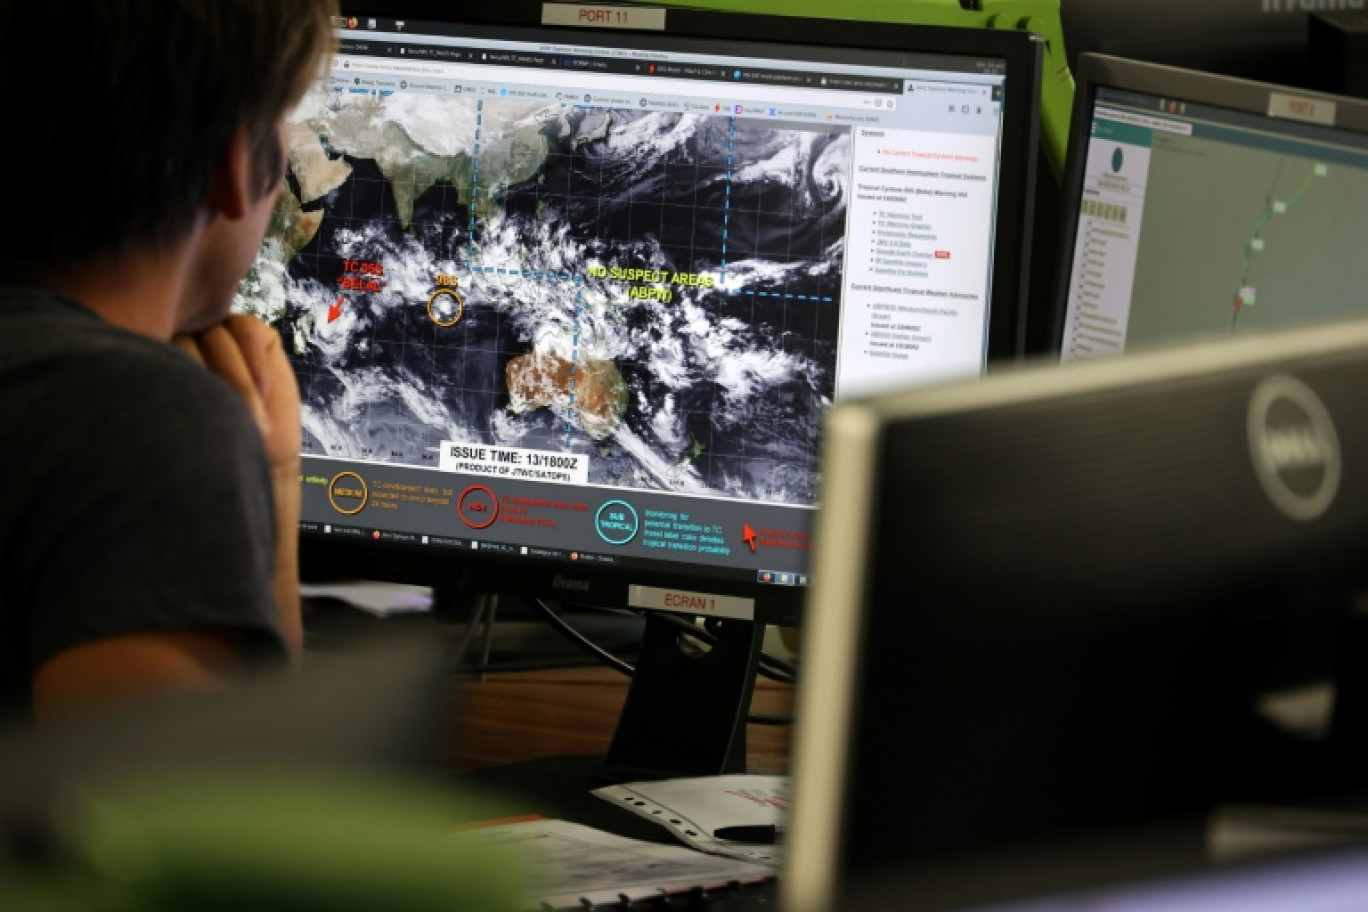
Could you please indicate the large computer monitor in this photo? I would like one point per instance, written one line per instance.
(1202, 205)
(1071, 598)
(569, 289)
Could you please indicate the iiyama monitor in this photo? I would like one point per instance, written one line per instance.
(568, 304)
(1200, 205)
(1071, 598)
(567, 293)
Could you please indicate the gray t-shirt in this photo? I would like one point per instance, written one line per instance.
(137, 497)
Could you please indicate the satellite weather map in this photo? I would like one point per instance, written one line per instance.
(650, 293)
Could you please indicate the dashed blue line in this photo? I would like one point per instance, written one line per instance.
(579, 279)
(752, 293)
(475, 176)
(570, 425)
(574, 360)
(726, 203)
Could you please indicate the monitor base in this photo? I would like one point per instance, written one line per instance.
(685, 713)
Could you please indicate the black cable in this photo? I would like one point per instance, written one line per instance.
(613, 662)
(583, 642)
(513, 665)
(771, 667)
(763, 719)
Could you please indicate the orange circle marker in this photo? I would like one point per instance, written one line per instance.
(365, 493)
(460, 307)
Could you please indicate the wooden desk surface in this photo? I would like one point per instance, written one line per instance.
(512, 717)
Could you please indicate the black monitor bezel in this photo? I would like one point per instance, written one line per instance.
(327, 556)
(1098, 71)
(1083, 549)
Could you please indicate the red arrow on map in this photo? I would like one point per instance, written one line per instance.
(336, 310)
(748, 536)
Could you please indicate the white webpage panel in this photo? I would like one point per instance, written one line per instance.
(1105, 249)
(918, 263)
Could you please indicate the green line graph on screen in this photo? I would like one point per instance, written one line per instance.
(1239, 238)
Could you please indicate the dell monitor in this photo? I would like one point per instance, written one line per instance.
(1065, 599)
(1200, 205)
(567, 292)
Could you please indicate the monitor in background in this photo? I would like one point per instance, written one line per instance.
(1200, 205)
(567, 304)
(1252, 39)
(1067, 599)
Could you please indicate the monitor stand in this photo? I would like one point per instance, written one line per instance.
(484, 613)
(686, 710)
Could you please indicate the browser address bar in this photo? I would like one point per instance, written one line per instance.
(569, 79)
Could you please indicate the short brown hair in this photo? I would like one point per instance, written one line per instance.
(125, 106)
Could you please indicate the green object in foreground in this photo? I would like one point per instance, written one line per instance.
(273, 842)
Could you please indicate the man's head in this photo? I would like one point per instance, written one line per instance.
(120, 112)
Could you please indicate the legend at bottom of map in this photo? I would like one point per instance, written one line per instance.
(536, 519)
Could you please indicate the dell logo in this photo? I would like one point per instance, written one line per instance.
(569, 585)
(1294, 447)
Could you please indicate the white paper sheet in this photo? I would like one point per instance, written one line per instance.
(579, 863)
(693, 809)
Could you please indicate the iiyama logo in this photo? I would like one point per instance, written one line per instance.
(1294, 447)
(1311, 6)
(568, 584)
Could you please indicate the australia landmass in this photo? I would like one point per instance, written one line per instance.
(543, 380)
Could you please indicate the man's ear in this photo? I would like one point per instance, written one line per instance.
(231, 189)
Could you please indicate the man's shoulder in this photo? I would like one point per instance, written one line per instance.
(48, 340)
(66, 370)
(36, 324)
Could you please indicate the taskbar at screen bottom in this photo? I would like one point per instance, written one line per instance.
(772, 597)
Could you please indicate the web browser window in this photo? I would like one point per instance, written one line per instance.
(532, 285)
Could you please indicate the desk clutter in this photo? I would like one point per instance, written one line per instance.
(578, 866)
(736, 816)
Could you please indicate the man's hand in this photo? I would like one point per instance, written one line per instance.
(248, 354)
